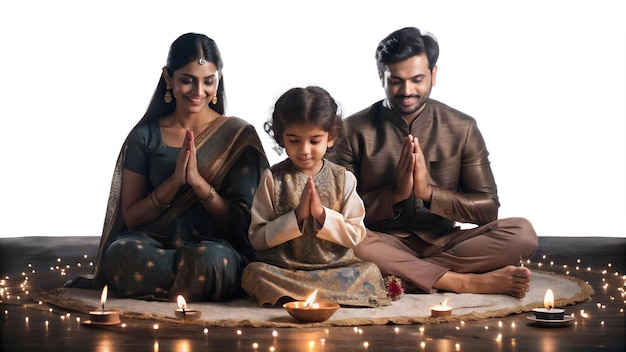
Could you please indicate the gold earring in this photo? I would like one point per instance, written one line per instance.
(214, 100)
(168, 96)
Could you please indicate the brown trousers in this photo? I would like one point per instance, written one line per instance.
(484, 248)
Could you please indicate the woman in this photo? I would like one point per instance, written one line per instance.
(179, 207)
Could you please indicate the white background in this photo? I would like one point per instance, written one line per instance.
(545, 80)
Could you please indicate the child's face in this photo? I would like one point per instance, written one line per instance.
(306, 146)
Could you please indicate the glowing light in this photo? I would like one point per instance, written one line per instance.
(206, 331)
(309, 301)
(274, 333)
(182, 304)
(548, 300)
(103, 297)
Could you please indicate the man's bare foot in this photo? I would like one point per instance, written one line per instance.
(510, 280)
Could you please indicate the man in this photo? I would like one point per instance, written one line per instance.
(422, 168)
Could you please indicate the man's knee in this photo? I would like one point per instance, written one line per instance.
(525, 237)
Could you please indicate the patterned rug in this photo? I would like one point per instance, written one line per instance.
(408, 309)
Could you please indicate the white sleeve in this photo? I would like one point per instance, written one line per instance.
(346, 228)
(267, 230)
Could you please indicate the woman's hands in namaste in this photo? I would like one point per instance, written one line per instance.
(186, 171)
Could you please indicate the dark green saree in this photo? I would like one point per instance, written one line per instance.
(183, 251)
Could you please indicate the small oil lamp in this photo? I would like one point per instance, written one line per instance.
(311, 311)
(103, 316)
(183, 312)
(548, 312)
(441, 310)
(548, 315)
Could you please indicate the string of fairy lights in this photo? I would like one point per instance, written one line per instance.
(16, 291)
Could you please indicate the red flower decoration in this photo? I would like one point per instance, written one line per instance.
(394, 287)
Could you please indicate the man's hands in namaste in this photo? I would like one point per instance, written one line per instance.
(411, 173)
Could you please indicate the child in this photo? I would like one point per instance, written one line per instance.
(307, 215)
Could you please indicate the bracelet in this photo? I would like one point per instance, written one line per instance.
(155, 202)
(209, 197)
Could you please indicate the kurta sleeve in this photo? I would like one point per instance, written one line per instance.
(475, 200)
(345, 228)
(267, 230)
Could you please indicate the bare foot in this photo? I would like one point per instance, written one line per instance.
(510, 280)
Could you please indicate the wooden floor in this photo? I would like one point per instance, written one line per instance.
(41, 263)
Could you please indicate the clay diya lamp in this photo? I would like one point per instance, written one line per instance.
(311, 311)
(103, 316)
(185, 313)
(441, 310)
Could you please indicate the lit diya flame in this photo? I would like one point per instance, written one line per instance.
(444, 304)
(183, 312)
(311, 311)
(549, 312)
(103, 297)
(102, 316)
(182, 304)
(548, 300)
(309, 303)
(442, 310)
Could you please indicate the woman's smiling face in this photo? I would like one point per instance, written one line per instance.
(193, 85)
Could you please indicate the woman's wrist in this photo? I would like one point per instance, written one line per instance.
(209, 197)
(156, 202)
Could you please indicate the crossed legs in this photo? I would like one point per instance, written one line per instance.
(480, 260)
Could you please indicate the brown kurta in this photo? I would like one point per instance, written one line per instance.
(464, 190)
(295, 261)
